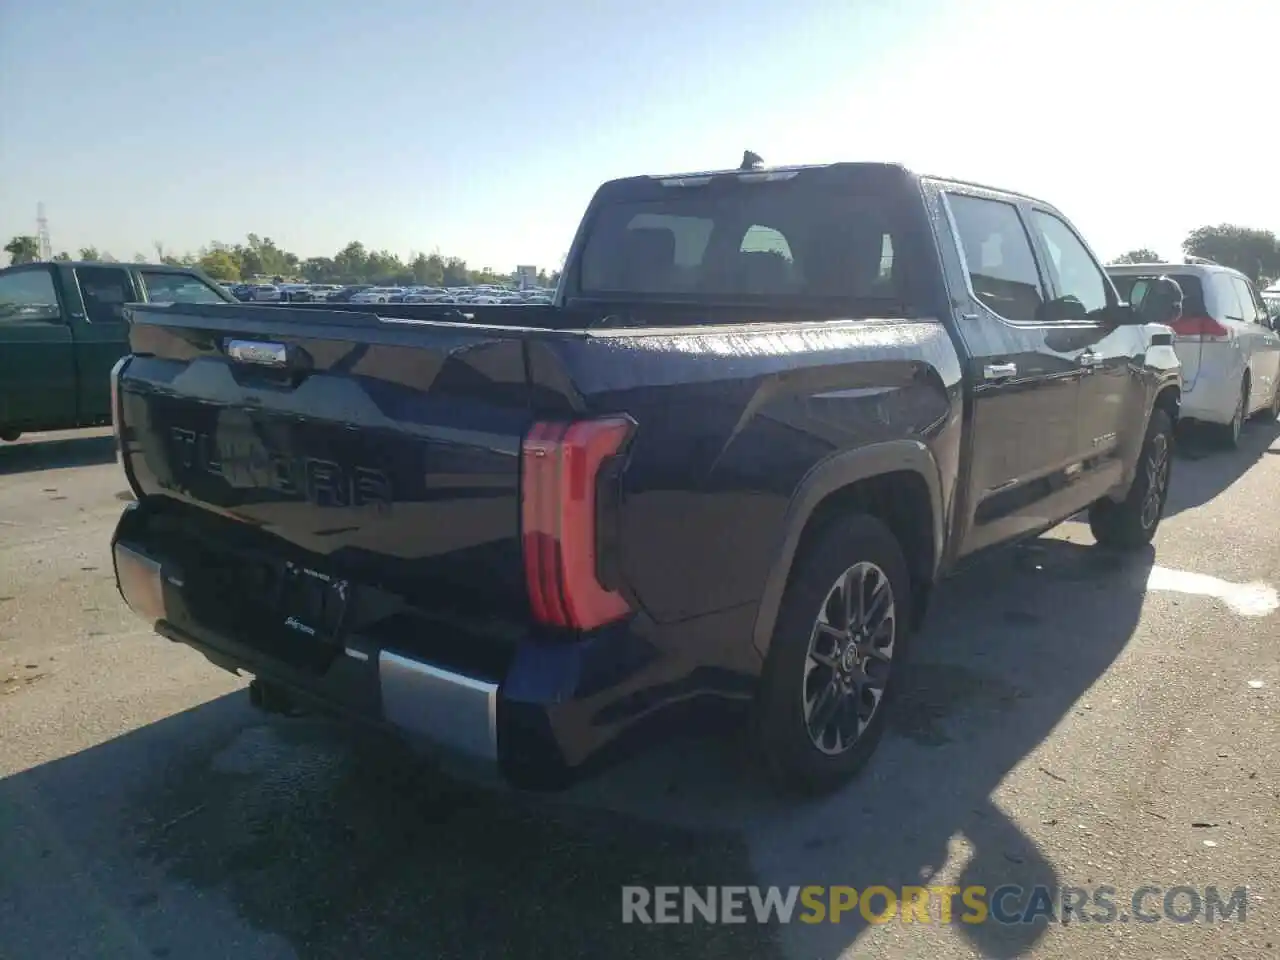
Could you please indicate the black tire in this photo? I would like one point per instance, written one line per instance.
(1228, 434)
(789, 754)
(1132, 523)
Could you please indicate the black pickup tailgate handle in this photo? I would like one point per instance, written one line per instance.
(287, 359)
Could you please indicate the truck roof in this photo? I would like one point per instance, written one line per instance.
(884, 164)
(954, 181)
(1169, 266)
(780, 168)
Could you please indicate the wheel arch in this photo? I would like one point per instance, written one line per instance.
(1169, 399)
(897, 481)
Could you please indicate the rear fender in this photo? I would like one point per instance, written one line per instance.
(826, 478)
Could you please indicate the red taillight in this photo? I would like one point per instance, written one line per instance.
(558, 521)
(1205, 328)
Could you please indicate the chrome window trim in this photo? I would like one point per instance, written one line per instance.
(945, 196)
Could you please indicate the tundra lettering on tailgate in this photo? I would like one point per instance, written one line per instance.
(248, 464)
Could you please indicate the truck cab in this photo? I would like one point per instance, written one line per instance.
(62, 328)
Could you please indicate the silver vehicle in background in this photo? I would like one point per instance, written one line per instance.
(1225, 339)
(378, 295)
(1271, 297)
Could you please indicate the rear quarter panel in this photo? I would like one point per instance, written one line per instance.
(732, 420)
(1216, 387)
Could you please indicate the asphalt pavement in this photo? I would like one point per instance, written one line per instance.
(1073, 718)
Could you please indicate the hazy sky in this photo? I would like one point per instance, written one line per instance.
(482, 127)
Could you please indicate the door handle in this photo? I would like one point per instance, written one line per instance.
(1000, 371)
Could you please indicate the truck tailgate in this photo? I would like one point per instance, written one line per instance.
(384, 450)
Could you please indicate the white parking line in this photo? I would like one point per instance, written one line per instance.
(1255, 599)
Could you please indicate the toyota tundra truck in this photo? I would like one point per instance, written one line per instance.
(714, 481)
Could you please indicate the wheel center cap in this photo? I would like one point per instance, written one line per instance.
(849, 658)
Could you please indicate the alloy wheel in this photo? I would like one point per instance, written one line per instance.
(849, 658)
(1157, 468)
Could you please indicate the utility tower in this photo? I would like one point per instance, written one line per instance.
(42, 234)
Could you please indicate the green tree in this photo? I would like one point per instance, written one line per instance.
(383, 266)
(352, 262)
(63, 256)
(319, 270)
(220, 265)
(89, 253)
(456, 273)
(22, 249)
(1141, 255)
(1254, 252)
(427, 269)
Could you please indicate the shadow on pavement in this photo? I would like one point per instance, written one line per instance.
(27, 456)
(338, 846)
(1010, 646)
(332, 844)
(1204, 469)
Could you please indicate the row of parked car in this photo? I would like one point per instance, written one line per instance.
(371, 293)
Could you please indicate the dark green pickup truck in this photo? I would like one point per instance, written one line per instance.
(62, 329)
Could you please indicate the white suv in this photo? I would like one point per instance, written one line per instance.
(1230, 355)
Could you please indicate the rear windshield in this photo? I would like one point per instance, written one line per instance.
(1192, 292)
(793, 239)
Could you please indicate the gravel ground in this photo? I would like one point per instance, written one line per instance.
(1073, 719)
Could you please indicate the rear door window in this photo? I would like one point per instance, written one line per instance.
(997, 252)
(27, 295)
(1248, 309)
(105, 291)
(1227, 299)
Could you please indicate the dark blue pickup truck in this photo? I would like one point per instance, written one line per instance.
(717, 478)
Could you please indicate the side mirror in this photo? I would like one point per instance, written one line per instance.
(1156, 300)
(1063, 309)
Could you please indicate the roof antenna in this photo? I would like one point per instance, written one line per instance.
(751, 161)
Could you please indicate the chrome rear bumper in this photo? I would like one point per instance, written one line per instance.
(449, 709)
(141, 583)
(456, 711)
